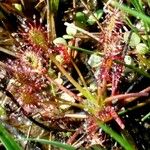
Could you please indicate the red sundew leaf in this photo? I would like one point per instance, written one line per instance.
(37, 37)
(111, 45)
(105, 69)
(108, 113)
(63, 50)
(34, 34)
(116, 74)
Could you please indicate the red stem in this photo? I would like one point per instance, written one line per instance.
(125, 96)
(63, 88)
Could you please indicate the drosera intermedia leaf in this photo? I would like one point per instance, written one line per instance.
(7, 140)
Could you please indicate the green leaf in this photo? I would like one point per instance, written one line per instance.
(53, 143)
(132, 12)
(2, 112)
(142, 49)
(7, 140)
(18, 6)
(138, 5)
(71, 31)
(98, 14)
(68, 37)
(54, 4)
(128, 60)
(80, 17)
(134, 39)
(60, 40)
(94, 60)
(120, 139)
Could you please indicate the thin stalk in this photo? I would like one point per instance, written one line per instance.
(82, 50)
(145, 117)
(63, 88)
(28, 135)
(50, 139)
(125, 96)
(4, 50)
(86, 93)
(133, 108)
(86, 50)
(73, 137)
(62, 101)
(78, 116)
(50, 21)
(146, 90)
(79, 73)
(81, 106)
(81, 30)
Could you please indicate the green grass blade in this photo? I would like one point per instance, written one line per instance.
(139, 7)
(121, 140)
(54, 4)
(7, 140)
(132, 12)
(137, 4)
(53, 143)
(135, 69)
(85, 50)
(81, 49)
(146, 117)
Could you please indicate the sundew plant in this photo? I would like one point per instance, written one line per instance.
(74, 74)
